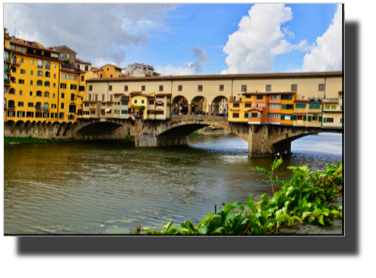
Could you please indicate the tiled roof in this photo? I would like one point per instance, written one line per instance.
(116, 67)
(118, 94)
(126, 75)
(164, 94)
(229, 76)
(270, 93)
(32, 46)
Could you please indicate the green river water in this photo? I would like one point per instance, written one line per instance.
(109, 187)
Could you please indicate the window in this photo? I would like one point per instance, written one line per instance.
(300, 106)
(107, 69)
(124, 103)
(321, 87)
(82, 78)
(31, 82)
(39, 73)
(61, 116)
(287, 106)
(235, 105)
(72, 97)
(53, 115)
(124, 111)
(253, 115)
(294, 88)
(334, 107)
(96, 97)
(47, 74)
(40, 64)
(274, 116)
(21, 81)
(32, 62)
(47, 84)
(287, 97)
(221, 88)
(31, 93)
(116, 111)
(39, 94)
(111, 97)
(20, 92)
(328, 120)
(151, 102)
(47, 65)
(55, 66)
(73, 87)
(22, 71)
(69, 77)
(11, 104)
(275, 106)
(161, 88)
(20, 104)
(63, 76)
(247, 96)
(72, 108)
(180, 88)
(29, 114)
(21, 60)
(31, 72)
(300, 117)
(125, 88)
(54, 85)
(46, 94)
(315, 118)
(30, 104)
(68, 56)
(101, 76)
(63, 86)
(143, 88)
(244, 88)
(53, 106)
(62, 95)
(102, 97)
(90, 87)
(268, 88)
(135, 102)
(199, 88)
(314, 106)
(10, 113)
(62, 106)
(110, 88)
(248, 105)
(245, 115)
(89, 96)
(75, 77)
(39, 83)
(259, 97)
(62, 55)
(327, 106)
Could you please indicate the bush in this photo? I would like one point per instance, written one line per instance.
(302, 199)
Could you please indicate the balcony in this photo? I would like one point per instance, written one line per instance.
(16, 63)
(38, 108)
(46, 109)
(7, 71)
(6, 83)
(7, 60)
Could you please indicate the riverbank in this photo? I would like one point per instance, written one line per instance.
(27, 140)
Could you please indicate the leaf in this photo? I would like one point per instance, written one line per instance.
(282, 217)
(265, 198)
(238, 205)
(290, 190)
(305, 214)
(262, 170)
(321, 220)
(219, 230)
(250, 202)
(168, 225)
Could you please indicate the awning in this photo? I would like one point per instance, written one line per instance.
(108, 110)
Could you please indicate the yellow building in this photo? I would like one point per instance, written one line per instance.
(110, 71)
(287, 108)
(32, 93)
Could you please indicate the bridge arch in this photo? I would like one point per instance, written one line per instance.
(199, 105)
(219, 105)
(179, 105)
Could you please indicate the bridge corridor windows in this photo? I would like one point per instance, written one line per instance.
(179, 105)
(219, 107)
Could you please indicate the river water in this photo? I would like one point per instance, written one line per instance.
(109, 187)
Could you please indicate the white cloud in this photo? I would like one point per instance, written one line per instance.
(327, 55)
(188, 68)
(97, 32)
(289, 34)
(259, 39)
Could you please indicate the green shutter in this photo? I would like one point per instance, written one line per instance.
(284, 106)
(341, 119)
(293, 117)
(304, 118)
(341, 107)
(282, 117)
(309, 118)
(320, 119)
(317, 106)
(324, 120)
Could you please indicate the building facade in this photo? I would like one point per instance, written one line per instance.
(140, 70)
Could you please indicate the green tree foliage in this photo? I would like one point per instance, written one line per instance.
(304, 198)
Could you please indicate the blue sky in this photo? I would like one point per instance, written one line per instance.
(190, 38)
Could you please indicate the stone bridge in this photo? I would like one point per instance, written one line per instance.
(263, 140)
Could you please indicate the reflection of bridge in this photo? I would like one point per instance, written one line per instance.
(263, 140)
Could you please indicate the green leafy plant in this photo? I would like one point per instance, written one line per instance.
(304, 198)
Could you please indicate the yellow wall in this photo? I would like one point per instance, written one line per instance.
(109, 70)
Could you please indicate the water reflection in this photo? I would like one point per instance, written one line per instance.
(111, 186)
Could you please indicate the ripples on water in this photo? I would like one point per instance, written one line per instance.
(111, 186)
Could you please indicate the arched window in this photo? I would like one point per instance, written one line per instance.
(38, 105)
(13, 59)
(39, 94)
(40, 73)
(45, 106)
(39, 83)
(40, 64)
(46, 94)
(11, 104)
(47, 84)
(47, 65)
(12, 91)
(47, 74)
(82, 78)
